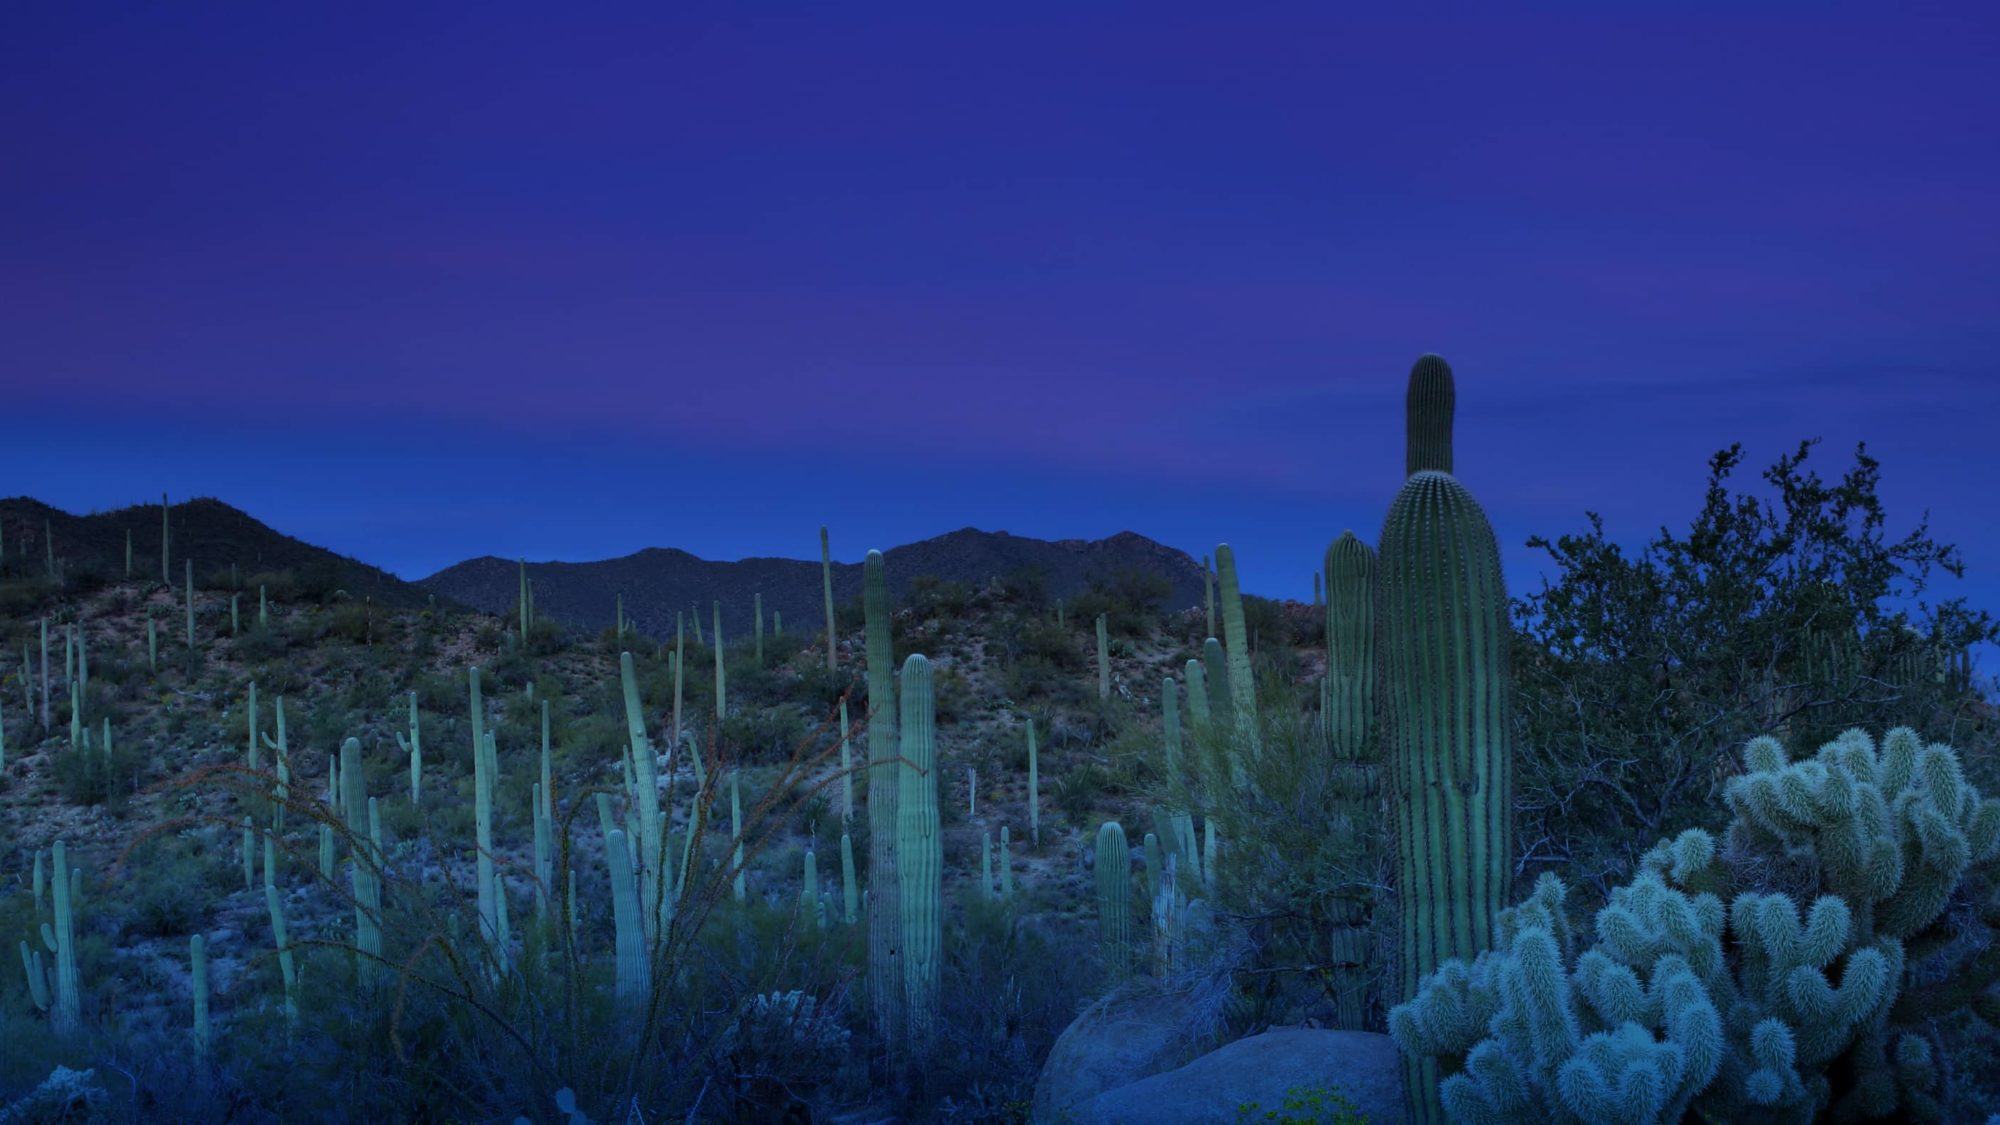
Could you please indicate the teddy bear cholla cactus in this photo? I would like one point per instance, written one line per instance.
(1761, 1008)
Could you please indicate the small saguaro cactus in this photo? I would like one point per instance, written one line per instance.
(1208, 593)
(1034, 787)
(850, 897)
(1114, 897)
(198, 984)
(188, 598)
(721, 677)
(1215, 673)
(1103, 662)
(632, 968)
(757, 610)
(1427, 410)
(413, 748)
(365, 862)
(920, 853)
(738, 887)
(1197, 694)
(1170, 729)
(1006, 864)
(1242, 686)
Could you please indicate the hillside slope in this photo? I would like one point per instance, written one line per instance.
(207, 531)
(659, 582)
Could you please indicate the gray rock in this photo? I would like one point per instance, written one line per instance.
(1261, 1072)
(1114, 1043)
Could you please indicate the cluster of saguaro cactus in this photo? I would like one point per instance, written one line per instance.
(1788, 1004)
(60, 993)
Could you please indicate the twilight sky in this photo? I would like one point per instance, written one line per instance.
(425, 286)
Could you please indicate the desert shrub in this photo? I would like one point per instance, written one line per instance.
(1130, 600)
(1794, 610)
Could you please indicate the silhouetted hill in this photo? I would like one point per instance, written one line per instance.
(659, 581)
(206, 531)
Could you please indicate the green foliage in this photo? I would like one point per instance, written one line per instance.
(1635, 673)
(1305, 1105)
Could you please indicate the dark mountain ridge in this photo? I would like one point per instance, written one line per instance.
(211, 534)
(659, 582)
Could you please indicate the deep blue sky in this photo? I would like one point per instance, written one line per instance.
(426, 286)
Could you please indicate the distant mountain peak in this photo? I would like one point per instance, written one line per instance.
(656, 583)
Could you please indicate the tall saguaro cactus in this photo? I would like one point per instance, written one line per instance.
(1443, 668)
(1350, 735)
(1428, 408)
(1242, 686)
(885, 968)
(919, 853)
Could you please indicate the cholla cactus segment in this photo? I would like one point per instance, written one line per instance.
(1785, 1002)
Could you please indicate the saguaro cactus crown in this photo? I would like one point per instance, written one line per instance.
(1443, 671)
(1428, 408)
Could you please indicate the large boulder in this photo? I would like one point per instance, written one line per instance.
(1299, 1069)
(1114, 1043)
